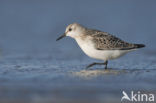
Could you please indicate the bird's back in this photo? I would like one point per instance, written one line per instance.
(106, 41)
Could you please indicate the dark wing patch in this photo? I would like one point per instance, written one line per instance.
(105, 41)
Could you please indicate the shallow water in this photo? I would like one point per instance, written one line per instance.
(49, 80)
(35, 68)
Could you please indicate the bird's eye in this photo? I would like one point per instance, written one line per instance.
(70, 29)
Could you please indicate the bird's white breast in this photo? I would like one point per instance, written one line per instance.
(88, 47)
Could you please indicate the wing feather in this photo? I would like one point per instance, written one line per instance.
(106, 41)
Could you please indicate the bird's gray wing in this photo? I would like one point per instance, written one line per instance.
(106, 41)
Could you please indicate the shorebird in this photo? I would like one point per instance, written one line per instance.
(99, 45)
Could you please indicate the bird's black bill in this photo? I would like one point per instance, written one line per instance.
(62, 36)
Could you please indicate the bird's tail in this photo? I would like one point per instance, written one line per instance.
(139, 45)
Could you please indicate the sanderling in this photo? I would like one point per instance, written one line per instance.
(99, 45)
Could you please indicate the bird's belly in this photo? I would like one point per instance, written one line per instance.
(89, 50)
(104, 54)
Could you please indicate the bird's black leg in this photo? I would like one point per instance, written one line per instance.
(90, 65)
(105, 63)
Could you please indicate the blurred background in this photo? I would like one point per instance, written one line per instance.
(33, 26)
(31, 57)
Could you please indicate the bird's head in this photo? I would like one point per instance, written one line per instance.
(73, 30)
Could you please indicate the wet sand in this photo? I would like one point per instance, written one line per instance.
(38, 80)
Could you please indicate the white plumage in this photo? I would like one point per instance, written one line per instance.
(99, 45)
(88, 47)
